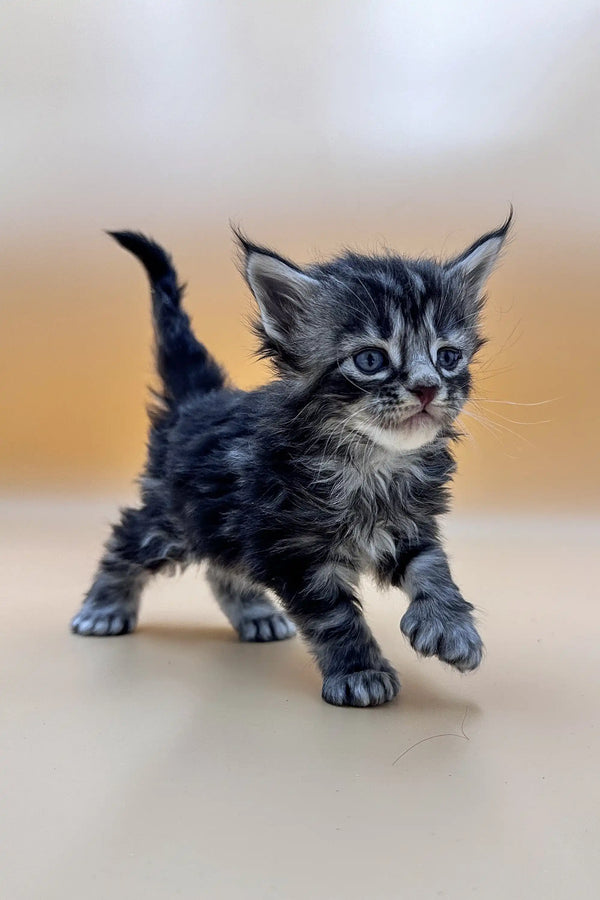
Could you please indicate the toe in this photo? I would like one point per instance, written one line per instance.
(265, 631)
(117, 625)
(82, 625)
(101, 626)
(248, 630)
(280, 628)
(462, 648)
(283, 628)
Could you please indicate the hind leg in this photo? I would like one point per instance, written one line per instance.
(140, 546)
(247, 607)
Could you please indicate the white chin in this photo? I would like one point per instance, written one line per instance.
(410, 436)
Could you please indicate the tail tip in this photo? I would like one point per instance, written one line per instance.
(155, 260)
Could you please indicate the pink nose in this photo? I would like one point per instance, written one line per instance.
(425, 393)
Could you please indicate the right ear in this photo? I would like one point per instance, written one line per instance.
(475, 264)
(284, 293)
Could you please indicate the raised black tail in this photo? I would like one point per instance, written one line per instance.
(184, 364)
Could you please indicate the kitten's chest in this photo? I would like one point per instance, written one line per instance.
(374, 517)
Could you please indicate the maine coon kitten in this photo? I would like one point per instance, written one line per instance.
(338, 466)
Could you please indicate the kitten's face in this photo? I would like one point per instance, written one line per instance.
(384, 343)
(398, 343)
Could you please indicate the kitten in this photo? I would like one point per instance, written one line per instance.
(338, 466)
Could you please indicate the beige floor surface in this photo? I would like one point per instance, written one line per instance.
(177, 763)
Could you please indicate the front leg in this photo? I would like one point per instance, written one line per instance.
(438, 621)
(329, 617)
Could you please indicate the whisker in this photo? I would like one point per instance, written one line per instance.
(516, 402)
(506, 419)
(497, 426)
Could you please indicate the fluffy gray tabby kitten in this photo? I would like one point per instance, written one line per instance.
(338, 466)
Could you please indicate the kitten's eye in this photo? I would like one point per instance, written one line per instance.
(448, 357)
(370, 361)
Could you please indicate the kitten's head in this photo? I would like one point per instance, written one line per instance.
(385, 343)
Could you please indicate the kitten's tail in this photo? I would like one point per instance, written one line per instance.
(184, 364)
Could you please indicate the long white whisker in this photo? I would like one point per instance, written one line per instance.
(516, 402)
(499, 415)
(497, 426)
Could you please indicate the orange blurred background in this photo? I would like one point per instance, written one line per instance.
(313, 125)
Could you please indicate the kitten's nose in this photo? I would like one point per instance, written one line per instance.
(425, 393)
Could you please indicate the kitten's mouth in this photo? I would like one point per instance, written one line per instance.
(421, 417)
(419, 427)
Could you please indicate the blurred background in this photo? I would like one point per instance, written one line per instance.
(313, 125)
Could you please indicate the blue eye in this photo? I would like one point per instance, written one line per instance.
(448, 357)
(370, 361)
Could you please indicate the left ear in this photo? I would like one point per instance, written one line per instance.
(474, 266)
(282, 291)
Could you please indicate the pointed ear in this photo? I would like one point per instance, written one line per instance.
(474, 266)
(282, 290)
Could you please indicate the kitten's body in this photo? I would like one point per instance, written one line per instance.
(301, 485)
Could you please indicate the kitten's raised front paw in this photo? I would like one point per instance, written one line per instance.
(274, 627)
(434, 632)
(371, 687)
(98, 623)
